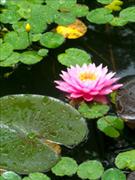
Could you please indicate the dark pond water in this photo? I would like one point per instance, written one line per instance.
(112, 47)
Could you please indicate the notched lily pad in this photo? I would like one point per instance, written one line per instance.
(51, 40)
(73, 56)
(27, 121)
(93, 110)
(66, 166)
(100, 16)
(112, 174)
(110, 125)
(91, 169)
(126, 160)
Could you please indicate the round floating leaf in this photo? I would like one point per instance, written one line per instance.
(9, 175)
(112, 174)
(93, 110)
(36, 176)
(91, 169)
(19, 26)
(117, 21)
(100, 16)
(6, 50)
(79, 10)
(128, 14)
(105, 1)
(66, 166)
(11, 60)
(35, 37)
(43, 52)
(73, 56)
(126, 160)
(30, 57)
(110, 125)
(9, 16)
(38, 24)
(61, 4)
(27, 122)
(51, 40)
(65, 18)
(17, 40)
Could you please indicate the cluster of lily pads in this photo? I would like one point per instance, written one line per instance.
(20, 45)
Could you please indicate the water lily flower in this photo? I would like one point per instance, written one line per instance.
(88, 82)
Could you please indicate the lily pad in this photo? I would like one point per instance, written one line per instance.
(36, 176)
(105, 1)
(17, 40)
(80, 10)
(93, 110)
(66, 166)
(65, 18)
(9, 175)
(117, 21)
(6, 50)
(126, 160)
(73, 56)
(27, 121)
(11, 60)
(30, 57)
(100, 16)
(110, 125)
(51, 40)
(10, 16)
(128, 14)
(112, 174)
(43, 52)
(91, 169)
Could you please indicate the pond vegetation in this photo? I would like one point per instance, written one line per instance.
(84, 49)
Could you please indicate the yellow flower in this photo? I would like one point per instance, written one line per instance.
(72, 31)
(115, 5)
(27, 27)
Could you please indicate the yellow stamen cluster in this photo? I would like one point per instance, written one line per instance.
(87, 76)
(115, 5)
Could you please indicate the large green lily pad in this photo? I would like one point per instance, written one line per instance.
(27, 123)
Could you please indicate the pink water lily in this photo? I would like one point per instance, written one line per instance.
(88, 82)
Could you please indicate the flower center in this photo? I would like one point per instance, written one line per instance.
(87, 76)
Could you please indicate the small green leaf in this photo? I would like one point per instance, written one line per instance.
(128, 14)
(66, 166)
(105, 1)
(100, 16)
(113, 174)
(17, 40)
(30, 57)
(43, 52)
(117, 21)
(51, 40)
(93, 110)
(126, 160)
(91, 169)
(65, 18)
(37, 176)
(110, 125)
(9, 175)
(73, 56)
(6, 50)
(11, 60)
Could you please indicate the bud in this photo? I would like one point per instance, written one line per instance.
(27, 27)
